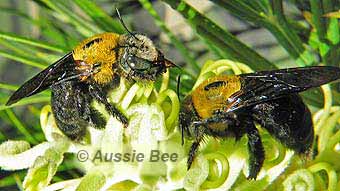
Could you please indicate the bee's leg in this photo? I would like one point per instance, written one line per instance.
(101, 96)
(201, 127)
(255, 149)
(97, 119)
(75, 130)
(198, 134)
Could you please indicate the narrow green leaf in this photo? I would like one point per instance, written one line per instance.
(22, 59)
(100, 17)
(20, 14)
(272, 19)
(178, 44)
(83, 26)
(318, 20)
(17, 48)
(287, 37)
(22, 129)
(26, 101)
(9, 180)
(333, 24)
(222, 39)
(335, 14)
(8, 86)
(32, 42)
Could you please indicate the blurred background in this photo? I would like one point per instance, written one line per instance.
(35, 33)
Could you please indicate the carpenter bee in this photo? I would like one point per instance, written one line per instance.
(88, 72)
(230, 106)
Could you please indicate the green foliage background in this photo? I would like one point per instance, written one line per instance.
(300, 27)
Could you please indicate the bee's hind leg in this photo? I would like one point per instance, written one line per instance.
(96, 119)
(255, 149)
(198, 134)
(101, 96)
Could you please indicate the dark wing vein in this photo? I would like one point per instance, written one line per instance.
(262, 86)
(61, 69)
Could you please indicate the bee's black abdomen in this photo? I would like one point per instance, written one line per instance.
(289, 120)
(71, 108)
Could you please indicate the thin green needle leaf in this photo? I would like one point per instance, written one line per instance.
(20, 126)
(21, 14)
(333, 25)
(222, 39)
(8, 181)
(32, 42)
(318, 20)
(18, 181)
(26, 51)
(26, 101)
(274, 20)
(8, 87)
(178, 44)
(99, 16)
(83, 26)
(21, 59)
(17, 49)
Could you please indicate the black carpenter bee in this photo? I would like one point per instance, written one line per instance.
(88, 72)
(230, 106)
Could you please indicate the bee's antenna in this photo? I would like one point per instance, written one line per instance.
(122, 22)
(178, 86)
(177, 91)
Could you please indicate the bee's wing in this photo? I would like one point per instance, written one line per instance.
(262, 86)
(61, 69)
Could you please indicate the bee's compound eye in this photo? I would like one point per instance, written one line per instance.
(136, 63)
(131, 61)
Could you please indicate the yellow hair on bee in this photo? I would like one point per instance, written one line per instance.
(99, 50)
(212, 94)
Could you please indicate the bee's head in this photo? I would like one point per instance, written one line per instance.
(140, 59)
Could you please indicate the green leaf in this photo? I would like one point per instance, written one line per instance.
(32, 42)
(19, 125)
(177, 43)
(26, 101)
(22, 59)
(101, 18)
(335, 14)
(83, 26)
(8, 87)
(222, 39)
(272, 18)
(318, 21)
